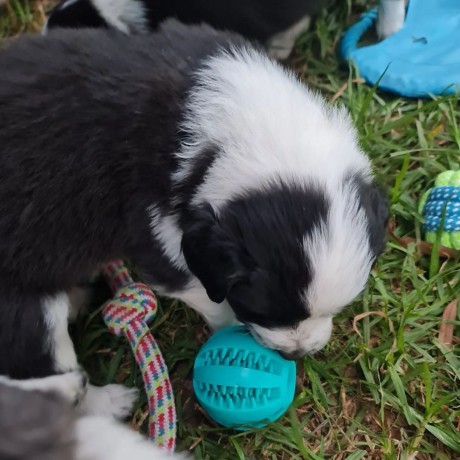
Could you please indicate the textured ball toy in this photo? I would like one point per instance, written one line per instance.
(241, 384)
(440, 206)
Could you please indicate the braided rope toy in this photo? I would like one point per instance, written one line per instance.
(440, 206)
(132, 307)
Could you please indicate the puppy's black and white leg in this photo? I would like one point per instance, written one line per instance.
(391, 15)
(280, 45)
(41, 353)
(216, 315)
(168, 237)
(57, 311)
(111, 400)
(33, 328)
(35, 331)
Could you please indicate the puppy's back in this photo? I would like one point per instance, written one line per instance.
(87, 121)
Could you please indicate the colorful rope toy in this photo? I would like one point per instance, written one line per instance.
(441, 206)
(132, 307)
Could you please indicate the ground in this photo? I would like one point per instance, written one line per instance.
(386, 387)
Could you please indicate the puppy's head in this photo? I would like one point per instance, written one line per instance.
(289, 256)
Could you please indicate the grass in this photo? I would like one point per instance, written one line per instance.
(385, 387)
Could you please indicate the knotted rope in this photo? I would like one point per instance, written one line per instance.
(132, 307)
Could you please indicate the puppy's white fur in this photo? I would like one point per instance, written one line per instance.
(115, 401)
(125, 15)
(100, 438)
(166, 231)
(236, 95)
(308, 337)
(57, 313)
(239, 94)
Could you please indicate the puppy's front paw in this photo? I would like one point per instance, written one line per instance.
(71, 386)
(115, 401)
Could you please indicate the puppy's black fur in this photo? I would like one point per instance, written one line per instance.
(230, 258)
(254, 19)
(85, 151)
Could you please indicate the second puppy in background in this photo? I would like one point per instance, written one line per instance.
(38, 422)
(276, 24)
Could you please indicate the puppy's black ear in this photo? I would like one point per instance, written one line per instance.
(375, 202)
(209, 253)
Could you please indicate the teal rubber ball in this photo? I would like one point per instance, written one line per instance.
(241, 384)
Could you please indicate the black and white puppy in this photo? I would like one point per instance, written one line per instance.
(274, 23)
(229, 183)
(38, 422)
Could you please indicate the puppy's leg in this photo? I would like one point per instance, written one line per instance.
(99, 438)
(57, 312)
(111, 400)
(33, 331)
(216, 315)
(280, 46)
(78, 301)
(391, 17)
(115, 401)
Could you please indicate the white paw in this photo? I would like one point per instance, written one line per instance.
(72, 386)
(115, 401)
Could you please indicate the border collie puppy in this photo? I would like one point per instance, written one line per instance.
(38, 422)
(224, 179)
(274, 23)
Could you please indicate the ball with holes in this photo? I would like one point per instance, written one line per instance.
(241, 384)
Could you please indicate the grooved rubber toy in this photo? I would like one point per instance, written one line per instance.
(241, 384)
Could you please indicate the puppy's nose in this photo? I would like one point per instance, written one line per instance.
(293, 355)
